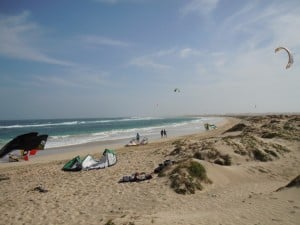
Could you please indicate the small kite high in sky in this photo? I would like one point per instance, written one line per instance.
(291, 59)
(176, 90)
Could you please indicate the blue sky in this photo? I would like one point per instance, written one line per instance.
(107, 58)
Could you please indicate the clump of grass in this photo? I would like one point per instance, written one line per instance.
(110, 222)
(236, 147)
(176, 151)
(227, 160)
(186, 178)
(178, 143)
(197, 170)
(179, 147)
(223, 160)
(184, 185)
(272, 153)
(198, 155)
(269, 135)
(259, 155)
(237, 127)
(162, 173)
(213, 153)
(240, 152)
(207, 154)
(288, 126)
(194, 146)
(279, 148)
(248, 141)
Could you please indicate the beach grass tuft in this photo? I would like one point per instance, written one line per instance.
(186, 178)
(109, 222)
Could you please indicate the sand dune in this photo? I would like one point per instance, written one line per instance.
(264, 155)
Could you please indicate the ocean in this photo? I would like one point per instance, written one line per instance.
(67, 132)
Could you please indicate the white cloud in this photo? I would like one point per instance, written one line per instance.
(100, 40)
(151, 60)
(187, 52)
(271, 24)
(171, 57)
(148, 63)
(17, 37)
(75, 77)
(164, 52)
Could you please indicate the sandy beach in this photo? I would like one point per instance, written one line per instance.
(246, 159)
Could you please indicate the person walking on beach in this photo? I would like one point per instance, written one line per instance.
(138, 137)
(162, 133)
(165, 133)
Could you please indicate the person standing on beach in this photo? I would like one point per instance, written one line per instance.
(138, 137)
(206, 126)
(162, 133)
(165, 133)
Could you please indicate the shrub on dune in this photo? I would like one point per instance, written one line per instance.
(186, 178)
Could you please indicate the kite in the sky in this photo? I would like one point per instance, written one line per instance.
(176, 90)
(291, 59)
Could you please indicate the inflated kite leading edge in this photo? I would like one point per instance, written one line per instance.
(291, 59)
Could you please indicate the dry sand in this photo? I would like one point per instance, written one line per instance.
(264, 156)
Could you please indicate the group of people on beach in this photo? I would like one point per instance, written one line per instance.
(163, 133)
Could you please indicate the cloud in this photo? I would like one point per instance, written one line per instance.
(164, 52)
(73, 77)
(171, 57)
(188, 52)
(148, 63)
(65, 78)
(17, 38)
(204, 7)
(151, 60)
(99, 40)
(261, 26)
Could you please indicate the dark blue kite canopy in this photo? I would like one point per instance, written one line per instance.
(25, 142)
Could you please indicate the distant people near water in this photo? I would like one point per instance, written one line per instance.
(208, 126)
(138, 137)
(163, 133)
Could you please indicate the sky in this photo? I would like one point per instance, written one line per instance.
(116, 58)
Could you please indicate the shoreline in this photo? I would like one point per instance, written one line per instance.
(70, 132)
(69, 152)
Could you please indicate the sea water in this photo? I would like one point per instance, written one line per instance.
(67, 132)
